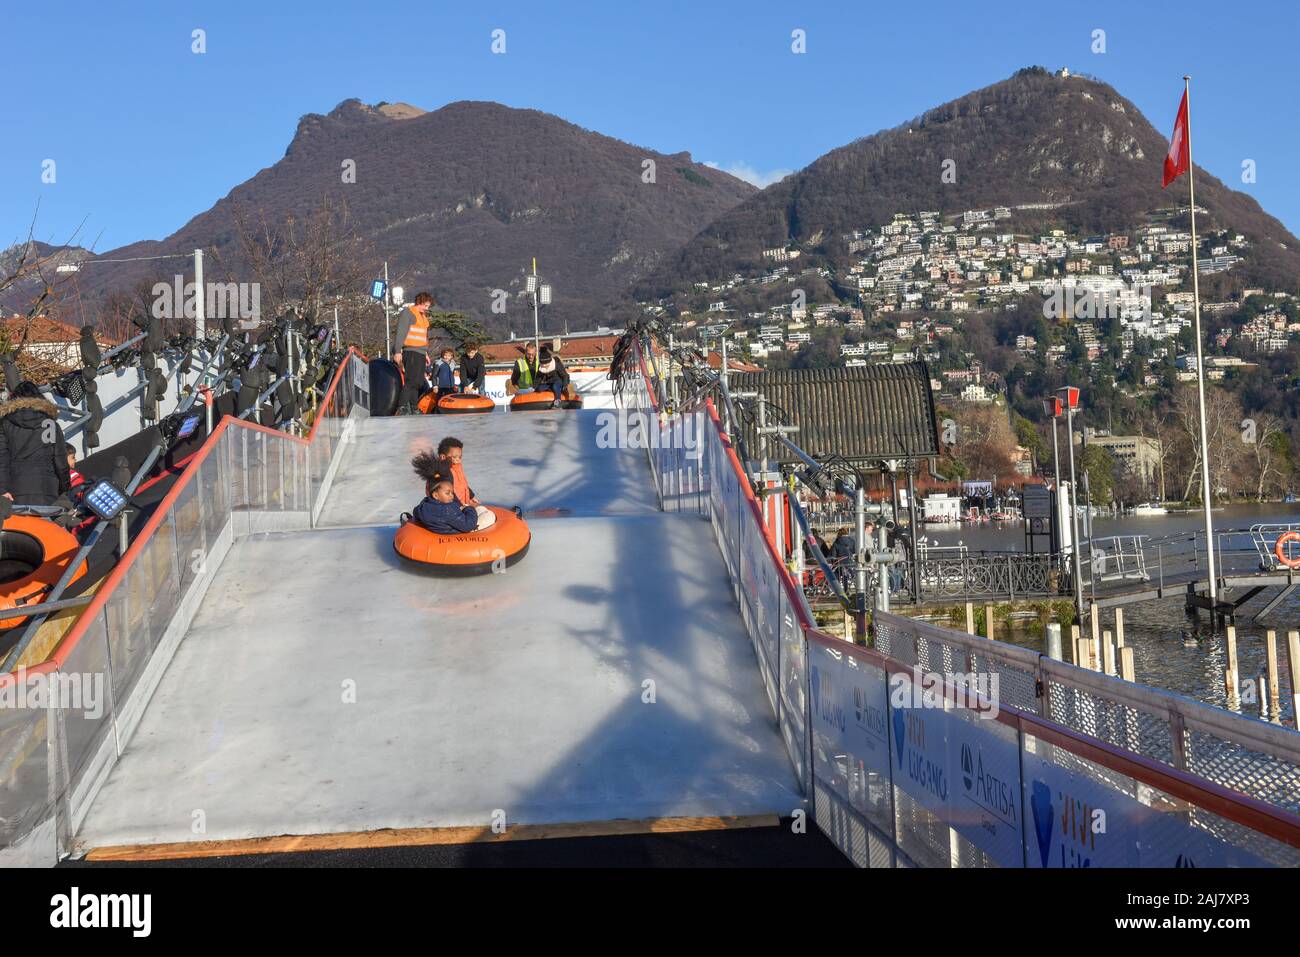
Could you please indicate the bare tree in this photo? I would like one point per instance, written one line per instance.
(318, 262)
(1223, 436)
(1268, 448)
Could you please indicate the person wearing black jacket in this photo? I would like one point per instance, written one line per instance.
(473, 371)
(33, 461)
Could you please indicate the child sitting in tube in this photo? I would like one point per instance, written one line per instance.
(441, 511)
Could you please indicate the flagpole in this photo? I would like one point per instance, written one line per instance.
(1206, 492)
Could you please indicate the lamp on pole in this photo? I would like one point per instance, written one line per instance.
(541, 293)
(1069, 397)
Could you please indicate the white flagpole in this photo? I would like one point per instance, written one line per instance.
(1206, 491)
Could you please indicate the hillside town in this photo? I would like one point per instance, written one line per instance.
(1109, 310)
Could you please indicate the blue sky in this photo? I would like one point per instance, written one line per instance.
(146, 134)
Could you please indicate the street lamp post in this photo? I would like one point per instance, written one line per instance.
(1053, 408)
(1070, 398)
(541, 291)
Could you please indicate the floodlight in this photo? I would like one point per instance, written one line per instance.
(106, 500)
(398, 295)
(546, 295)
(530, 284)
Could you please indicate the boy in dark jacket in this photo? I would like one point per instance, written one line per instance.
(444, 374)
(33, 464)
(473, 371)
(441, 512)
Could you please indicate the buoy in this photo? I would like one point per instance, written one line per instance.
(1279, 549)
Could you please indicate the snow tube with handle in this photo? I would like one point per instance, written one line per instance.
(459, 403)
(385, 386)
(34, 554)
(531, 401)
(467, 553)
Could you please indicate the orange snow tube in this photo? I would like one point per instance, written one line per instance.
(466, 553)
(540, 401)
(426, 402)
(1279, 549)
(531, 401)
(458, 403)
(34, 554)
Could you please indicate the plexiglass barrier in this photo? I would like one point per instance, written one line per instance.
(940, 749)
(64, 723)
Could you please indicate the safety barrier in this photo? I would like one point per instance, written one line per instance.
(64, 723)
(936, 748)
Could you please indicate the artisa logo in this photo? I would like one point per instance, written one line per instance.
(985, 788)
(869, 717)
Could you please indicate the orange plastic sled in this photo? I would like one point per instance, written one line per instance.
(467, 553)
(540, 401)
(34, 554)
(459, 403)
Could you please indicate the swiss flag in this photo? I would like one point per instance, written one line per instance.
(1177, 160)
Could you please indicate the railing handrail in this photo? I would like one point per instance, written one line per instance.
(1268, 819)
(72, 639)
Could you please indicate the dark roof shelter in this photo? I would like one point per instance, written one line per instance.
(867, 414)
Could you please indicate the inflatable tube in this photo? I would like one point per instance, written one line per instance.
(426, 403)
(1279, 549)
(385, 386)
(34, 554)
(460, 403)
(571, 402)
(470, 553)
(531, 401)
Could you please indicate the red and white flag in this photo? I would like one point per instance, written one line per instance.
(1178, 159)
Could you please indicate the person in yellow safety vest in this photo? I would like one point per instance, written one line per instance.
(413, 357)
(524, 374)
(539, 374)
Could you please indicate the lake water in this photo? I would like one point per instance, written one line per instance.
(1170, 650)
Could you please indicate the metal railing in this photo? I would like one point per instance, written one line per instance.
(968, 778)
(54, 755)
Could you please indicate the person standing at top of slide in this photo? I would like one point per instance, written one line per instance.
(413, 334)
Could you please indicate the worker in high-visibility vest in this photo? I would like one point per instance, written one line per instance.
(533, 373)
(413, 334)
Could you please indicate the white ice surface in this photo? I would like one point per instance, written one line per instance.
(521, 692)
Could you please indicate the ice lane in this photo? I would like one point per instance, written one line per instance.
(325, 688)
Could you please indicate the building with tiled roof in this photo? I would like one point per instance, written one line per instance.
(40, 337)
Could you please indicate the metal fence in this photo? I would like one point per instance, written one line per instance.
(64, 723)
(907, 762)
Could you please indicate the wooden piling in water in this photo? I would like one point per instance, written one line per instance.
(1274, 687)
(1108, 652)
(1126, 663)
(1230, 673)
(970, 618)
(1096, 633)
(1076, 642)
(1293, 672)
(988, 622)
(1119, 627)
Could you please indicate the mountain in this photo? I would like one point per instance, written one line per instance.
(1035, 138)
(460, 199)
